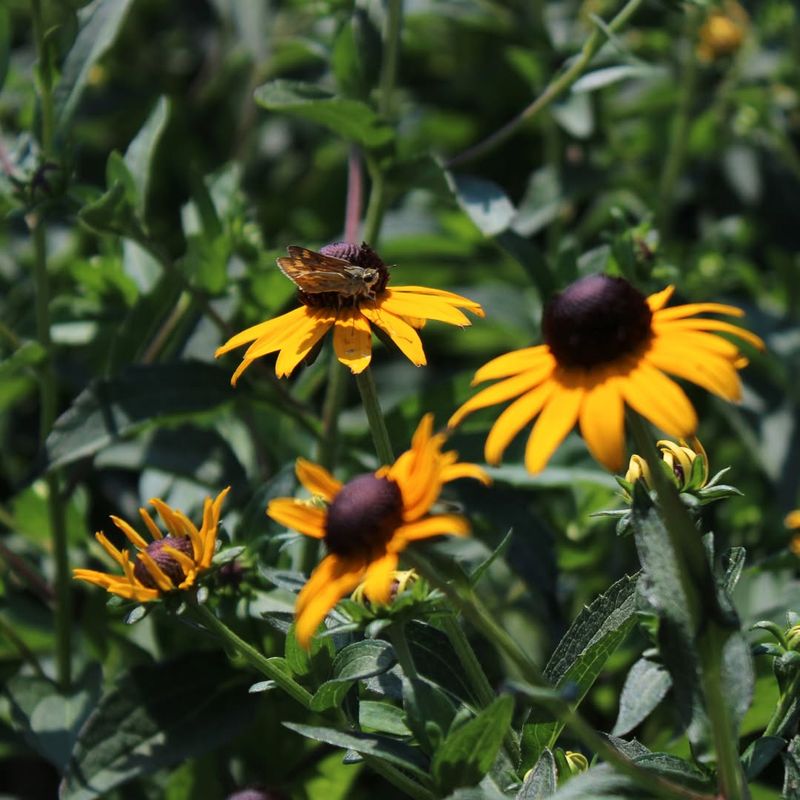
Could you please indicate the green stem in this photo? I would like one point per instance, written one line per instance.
(397, 778)
(377, 424)
(399, 640)
(554, 89)
(475, 611)
(47, 415)
(699, 588)
(791, 697)
(211, 623)
(391, 51)
(45, 80)
(377, 203)
(475, 675)
(679, 134)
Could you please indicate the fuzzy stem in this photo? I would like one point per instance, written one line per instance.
(699, 589)
(216, 626)
(475, 675)
(377, 203)
(48, 389)
(377, 424)
(475, 611)
(554, 89)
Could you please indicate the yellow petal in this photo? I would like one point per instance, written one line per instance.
(151, 526)
(602, 421)
(399, 331)
(298, 516)
(261, 330)
(515, 362)
(424, 306)
(691, 309)
(317, 480)
(500, 392)
(352, 340)
(702, 324)
(658, 398)
(156, 573)
(465, 470)
(792, 520)
(438, 525)
(450, 297)
(302, 341)
(108, 547)
(134, 538)
(514, 419)
(556, 420)
(660, 299)
(378, 580)
(332, 579)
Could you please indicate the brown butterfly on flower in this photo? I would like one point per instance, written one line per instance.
(316, 273)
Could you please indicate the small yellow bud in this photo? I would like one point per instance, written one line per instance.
(793, 637)
(723, 32)
(680, 457)
(577, 762)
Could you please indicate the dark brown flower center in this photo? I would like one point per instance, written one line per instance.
(363, 516)
(169, 565)
(375, 275)
(596, 320)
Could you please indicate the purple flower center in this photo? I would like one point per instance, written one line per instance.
(363, 516)
(169, 565)
(596, 320)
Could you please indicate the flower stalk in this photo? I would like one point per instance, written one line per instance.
(213, 624)
(48, 391)
(377, 424)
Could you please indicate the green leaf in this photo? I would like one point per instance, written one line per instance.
(351, 119)
(645, 687)
(499, 551)
(356, 661)
(468, 752)
(429, 712)
(434, 658)
(100, 23)
(601, 783)
(580, 656)
(140, 154)
(791, 773)
(356, 55)
(542, 780)
(50, 720)
(27, 355)
(156, 716)
(317, 659)
(600, 78)
(484, 202)
(382, 717)
(368, 744)
(109, 213)
(760, 753)
(110, 409)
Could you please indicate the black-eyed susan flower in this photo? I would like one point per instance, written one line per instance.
(608, 346)
(366, 522)
(361, 299)
(165, 564)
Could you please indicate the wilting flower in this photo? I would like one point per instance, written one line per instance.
(366, 522)
(723, 32)
(687, 461)
(364, 300)
(608, 346)
(166, 564)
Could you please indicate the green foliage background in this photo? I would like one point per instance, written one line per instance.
(193, 142)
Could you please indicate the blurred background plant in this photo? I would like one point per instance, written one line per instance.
(156, 157)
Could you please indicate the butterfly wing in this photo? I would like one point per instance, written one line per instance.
(314, 272)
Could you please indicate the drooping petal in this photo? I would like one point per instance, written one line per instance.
(465, 470)
(399, 331)
(298, 515)
(423, 306)
(702, 324)
(515, 362)
(331, 580)
(602, 421)
(263, 329)
(297, 346)
(317, 479)
(557, 419)
(500, 392)
(378, 580)
(352, 340)
(514, 419)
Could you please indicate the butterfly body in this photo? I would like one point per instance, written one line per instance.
(317, 273)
